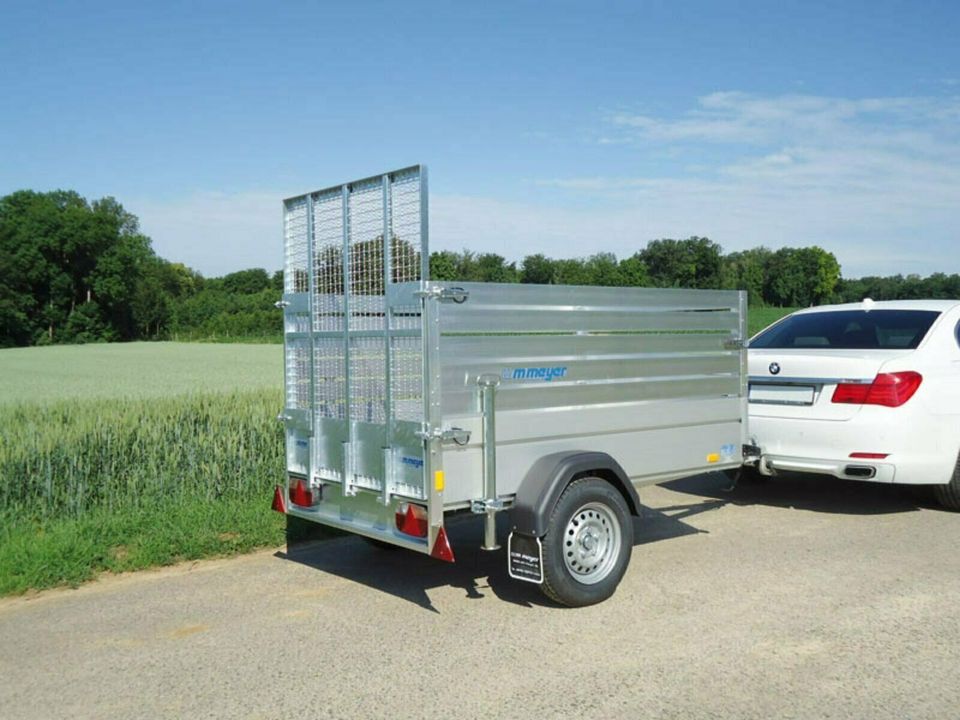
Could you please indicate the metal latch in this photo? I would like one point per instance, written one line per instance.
(734, 343)
(482, 506)
(454, 435)
(281, 304)
(454, 294)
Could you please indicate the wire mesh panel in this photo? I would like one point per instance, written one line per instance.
(408, 236)
(297, 319)
(296, 253)
(328, 261)
(367, 380)
(298, 374)
(367, 299)
(345, 246)
(329, 373)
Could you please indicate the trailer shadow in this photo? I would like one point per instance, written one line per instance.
(815, 493)
(410, 576)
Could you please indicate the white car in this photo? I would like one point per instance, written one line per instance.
(864, 391)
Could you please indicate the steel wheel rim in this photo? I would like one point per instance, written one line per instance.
(591, 543)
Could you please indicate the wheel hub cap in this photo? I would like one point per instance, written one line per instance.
(591, 543)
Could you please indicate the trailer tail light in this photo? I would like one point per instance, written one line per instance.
(887, 389)
(412, 519)
(301, 494)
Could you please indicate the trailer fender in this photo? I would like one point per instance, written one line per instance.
(545, 481)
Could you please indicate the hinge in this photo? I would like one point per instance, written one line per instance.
(281, 304)
(734, 344)
(455, 435)
(453, 294)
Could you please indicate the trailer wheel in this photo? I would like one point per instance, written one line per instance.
(949, 495)
(588, 543)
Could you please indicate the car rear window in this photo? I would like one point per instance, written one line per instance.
(849, 330)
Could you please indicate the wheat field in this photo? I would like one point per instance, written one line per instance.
(114, 457)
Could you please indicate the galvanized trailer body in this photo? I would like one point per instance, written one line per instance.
(401, 390)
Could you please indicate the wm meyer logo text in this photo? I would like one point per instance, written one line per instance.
(534, 373)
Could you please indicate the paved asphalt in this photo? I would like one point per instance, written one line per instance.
(803, 598)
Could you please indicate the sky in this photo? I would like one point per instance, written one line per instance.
(563, 128)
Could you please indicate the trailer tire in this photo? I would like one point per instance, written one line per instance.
(587, 545)
(949, 495)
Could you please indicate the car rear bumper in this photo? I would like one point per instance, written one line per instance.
(915, 454)
(849, 469)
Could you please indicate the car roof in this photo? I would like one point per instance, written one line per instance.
(937, 305)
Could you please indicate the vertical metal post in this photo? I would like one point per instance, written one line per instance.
(348, 463)
(744, 369)
(488, 391)
(311, 290)
(432, 450)
(388, 470)
(424, 226)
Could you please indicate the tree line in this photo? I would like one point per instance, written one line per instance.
(73, 271)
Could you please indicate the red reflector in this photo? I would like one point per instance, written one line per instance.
(300, 495)
(869, 456)
(441, 547)
(278, 500)
(887, 389)
(412, 519)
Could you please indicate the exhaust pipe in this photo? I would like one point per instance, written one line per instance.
(860, 472)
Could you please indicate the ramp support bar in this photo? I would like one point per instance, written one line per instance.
(490, 504)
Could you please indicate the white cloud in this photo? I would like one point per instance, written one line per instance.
(874, 180)
(216, 233)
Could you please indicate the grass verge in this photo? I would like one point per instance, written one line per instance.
(68, 551)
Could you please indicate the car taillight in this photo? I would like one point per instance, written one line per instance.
(411, 519)
(887, 389)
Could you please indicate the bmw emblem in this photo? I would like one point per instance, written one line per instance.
(774, 368)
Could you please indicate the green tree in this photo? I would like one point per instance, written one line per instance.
(60, 252)
(633, 271)
(603, 269)
(801, 276)
(746, 270)
(537, 270)
(246, 282)
(444, 265)
(691, 263)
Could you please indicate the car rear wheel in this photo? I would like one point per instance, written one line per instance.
(588, 543)
(949, 495)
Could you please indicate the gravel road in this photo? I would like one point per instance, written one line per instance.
(803, 598)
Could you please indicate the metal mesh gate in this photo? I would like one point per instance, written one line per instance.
(354, 366)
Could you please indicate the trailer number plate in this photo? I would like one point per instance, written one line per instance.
(525, 558)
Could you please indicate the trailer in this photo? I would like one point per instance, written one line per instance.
(409, 400)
